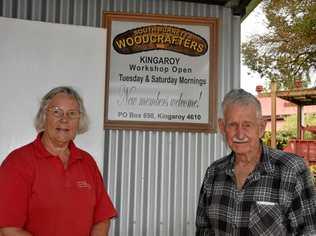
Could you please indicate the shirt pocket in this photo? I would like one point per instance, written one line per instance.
(266, 219)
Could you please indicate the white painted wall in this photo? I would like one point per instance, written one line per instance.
(37, 56)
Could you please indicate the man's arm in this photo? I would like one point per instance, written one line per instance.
(202, 222)
(303, 207)
(13, 231)
(101, 228)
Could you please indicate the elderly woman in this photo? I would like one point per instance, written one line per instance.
(50, 187)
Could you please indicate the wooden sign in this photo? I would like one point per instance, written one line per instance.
(161, 72)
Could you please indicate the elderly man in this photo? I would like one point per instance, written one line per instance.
(255, 190)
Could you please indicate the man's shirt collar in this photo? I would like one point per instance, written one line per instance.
(264, 166)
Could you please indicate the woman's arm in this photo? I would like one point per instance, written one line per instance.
(13, 231)
(100, 229)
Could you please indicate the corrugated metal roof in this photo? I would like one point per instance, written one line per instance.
(239, 7)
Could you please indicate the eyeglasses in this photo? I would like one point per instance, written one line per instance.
(59, 113)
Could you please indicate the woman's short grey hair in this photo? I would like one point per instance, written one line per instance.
(242, 97)
(40, 118)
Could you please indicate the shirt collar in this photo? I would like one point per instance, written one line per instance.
(41, 151)
(230, 164)
(266, 160)
(265, 164)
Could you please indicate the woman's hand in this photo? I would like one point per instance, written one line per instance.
(13, 231)
(101, 229)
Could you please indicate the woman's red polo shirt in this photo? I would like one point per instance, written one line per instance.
(42, 197)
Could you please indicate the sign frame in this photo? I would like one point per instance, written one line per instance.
(187, 126)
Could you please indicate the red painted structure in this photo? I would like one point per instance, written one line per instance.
(300, 97)
(303, 148)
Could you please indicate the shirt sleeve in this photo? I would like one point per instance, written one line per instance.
(104, 208)
(303, 207)
(15, 185)
(203, 226)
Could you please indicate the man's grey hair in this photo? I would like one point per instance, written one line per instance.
(40, 117)
(242, 97)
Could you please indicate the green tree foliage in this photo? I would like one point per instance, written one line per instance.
(282, 138)
(287, 52)
(288, 131)
(290, 125)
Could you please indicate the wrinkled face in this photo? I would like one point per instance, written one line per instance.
(60, 124)
(242, 128)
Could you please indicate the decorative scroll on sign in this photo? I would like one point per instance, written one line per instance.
(161, 72)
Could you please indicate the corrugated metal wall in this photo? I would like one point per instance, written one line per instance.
(153, 177)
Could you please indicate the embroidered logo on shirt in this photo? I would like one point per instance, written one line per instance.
(83, 184)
